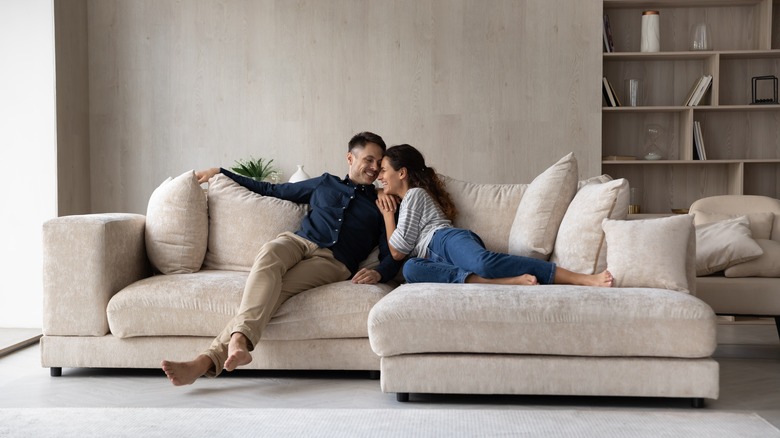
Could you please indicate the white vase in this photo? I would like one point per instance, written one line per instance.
(299, 175)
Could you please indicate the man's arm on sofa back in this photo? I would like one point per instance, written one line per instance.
(86, 260)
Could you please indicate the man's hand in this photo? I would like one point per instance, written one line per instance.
(367, 276)
(205, 175)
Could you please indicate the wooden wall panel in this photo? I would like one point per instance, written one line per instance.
(489, 91)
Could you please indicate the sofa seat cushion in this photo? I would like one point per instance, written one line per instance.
(201, 304)
(548, 320)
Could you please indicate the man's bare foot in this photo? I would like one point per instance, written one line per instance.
(526, 279)
(185, 373)
(238, 352)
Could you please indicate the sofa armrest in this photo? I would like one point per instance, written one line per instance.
(86, 260)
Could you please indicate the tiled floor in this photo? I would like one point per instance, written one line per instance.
(749, 357)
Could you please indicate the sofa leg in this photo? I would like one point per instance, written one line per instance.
(697, 402)
(55, 371)
(402, 397)
(373, 375)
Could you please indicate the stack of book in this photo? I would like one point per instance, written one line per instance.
(698, 90)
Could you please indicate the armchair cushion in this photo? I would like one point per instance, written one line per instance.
(766, 265)
(724, 243)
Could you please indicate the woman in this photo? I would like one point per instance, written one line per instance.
(444, 254)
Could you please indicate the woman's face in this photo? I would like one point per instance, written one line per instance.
(390, 178)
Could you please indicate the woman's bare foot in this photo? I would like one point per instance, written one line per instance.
(525, 279)
(602, 279)
(185, 373)
(238, 352)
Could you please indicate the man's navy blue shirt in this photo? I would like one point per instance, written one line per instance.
(342, 216)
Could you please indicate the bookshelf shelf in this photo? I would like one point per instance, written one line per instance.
(741, 140)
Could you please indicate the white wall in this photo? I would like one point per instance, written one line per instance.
(27, 154)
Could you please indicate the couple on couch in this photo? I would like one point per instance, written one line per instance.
(347, 219)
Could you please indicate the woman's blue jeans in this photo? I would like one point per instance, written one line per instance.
(455, 253)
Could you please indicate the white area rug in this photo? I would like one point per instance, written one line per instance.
(197, 422)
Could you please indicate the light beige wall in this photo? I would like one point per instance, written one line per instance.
(490, 91)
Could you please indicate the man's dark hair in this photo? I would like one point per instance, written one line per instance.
(360, 140)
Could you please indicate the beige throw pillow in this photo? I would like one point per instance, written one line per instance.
(651, 252)
(177, 225)
(766, 265)
(724, 243)
(241, 221)
(542, 208)
(580, 245)
(760, 223)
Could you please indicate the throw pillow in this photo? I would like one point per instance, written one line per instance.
(650, 252)
(601, 179)
(241, 221)
(760, 223)
(579, 246)
(541, 209)
(766, 265)
(724, 243)
(177, 225)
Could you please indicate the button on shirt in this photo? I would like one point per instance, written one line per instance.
(342, 216)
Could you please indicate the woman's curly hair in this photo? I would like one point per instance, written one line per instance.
(420, 175)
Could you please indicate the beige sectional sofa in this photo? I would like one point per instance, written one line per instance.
(127, 290)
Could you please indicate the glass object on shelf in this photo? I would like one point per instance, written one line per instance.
(700, 37)
(655, 148)
(634, 92)
(635, 202)
(651, 32)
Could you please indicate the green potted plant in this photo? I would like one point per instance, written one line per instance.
(256, 168)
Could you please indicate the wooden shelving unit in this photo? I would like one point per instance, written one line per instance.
(742, 141)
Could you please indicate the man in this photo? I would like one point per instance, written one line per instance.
(328, 247)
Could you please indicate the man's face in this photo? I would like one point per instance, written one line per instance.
(364, 163)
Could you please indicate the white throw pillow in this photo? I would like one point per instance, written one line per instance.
(241, 221)
(724, 243)
(651, 252)
(760, 223)
(580, 245)
(177, 225)
(766, 265)
(541, 209)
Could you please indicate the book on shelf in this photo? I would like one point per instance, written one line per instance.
(609, 93)
(698, 90)
(609, 45)
(618, 157)
(699, 153)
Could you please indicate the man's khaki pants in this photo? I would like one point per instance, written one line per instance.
(283, 268)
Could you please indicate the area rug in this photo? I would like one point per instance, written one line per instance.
(420, 422)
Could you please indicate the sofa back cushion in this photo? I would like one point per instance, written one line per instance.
(177, 226)
(486, 209)
(241, 221)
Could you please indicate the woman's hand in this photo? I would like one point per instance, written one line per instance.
(387, 204)
(205, 175)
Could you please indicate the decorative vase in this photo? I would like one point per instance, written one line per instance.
(651, 33)
(299, 175)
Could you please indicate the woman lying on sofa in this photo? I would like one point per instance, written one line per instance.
(441, 253)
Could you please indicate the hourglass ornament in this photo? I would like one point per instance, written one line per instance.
(653, 137)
